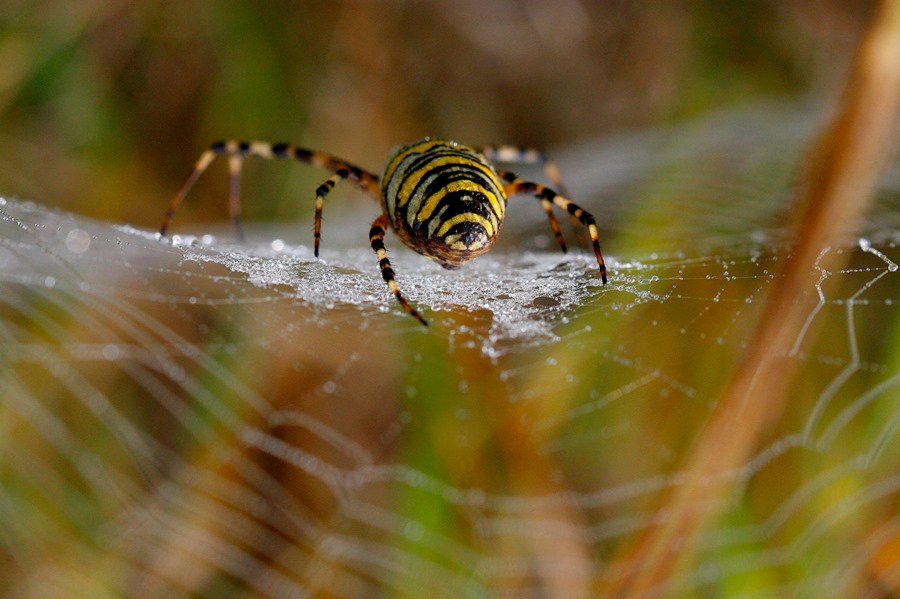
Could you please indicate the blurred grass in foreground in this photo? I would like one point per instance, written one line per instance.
(527, 472)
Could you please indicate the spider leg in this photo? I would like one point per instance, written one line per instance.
(235, 162)
(519, 155)
(545, 203)
(239, 150)
(516, 186)
(321, 192)
(523, 155)
(201, 165)
(376, 237)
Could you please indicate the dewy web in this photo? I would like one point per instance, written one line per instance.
(84, 302)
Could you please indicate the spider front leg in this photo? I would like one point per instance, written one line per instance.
(321, 192)
(376, 237)
(238, 151)
(545, 194)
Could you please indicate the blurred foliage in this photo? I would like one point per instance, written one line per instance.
(105, 104)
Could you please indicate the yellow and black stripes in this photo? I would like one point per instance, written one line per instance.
(376, 238)
(322, 191)
(444, 200)
(515, 185)
(237, 151)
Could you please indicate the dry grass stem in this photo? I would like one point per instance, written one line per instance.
(834, 200)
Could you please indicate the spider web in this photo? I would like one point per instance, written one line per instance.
(198, 416)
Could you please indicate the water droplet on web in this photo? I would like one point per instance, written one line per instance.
(78, 241)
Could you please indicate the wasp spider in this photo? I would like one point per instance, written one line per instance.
(442, 199)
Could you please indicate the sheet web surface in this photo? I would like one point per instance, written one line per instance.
(202, 416)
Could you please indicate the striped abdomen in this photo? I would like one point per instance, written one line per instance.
(444, 200)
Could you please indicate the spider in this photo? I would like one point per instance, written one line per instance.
(442, 199)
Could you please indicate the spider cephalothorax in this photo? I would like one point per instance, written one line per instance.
(443, 199)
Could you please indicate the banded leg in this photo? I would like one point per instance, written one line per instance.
(321, 192)
(376, 237)
(201, 165)
(235, 162)
(238, 150)
(518, 155)
(516, 186)
(546, 204)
